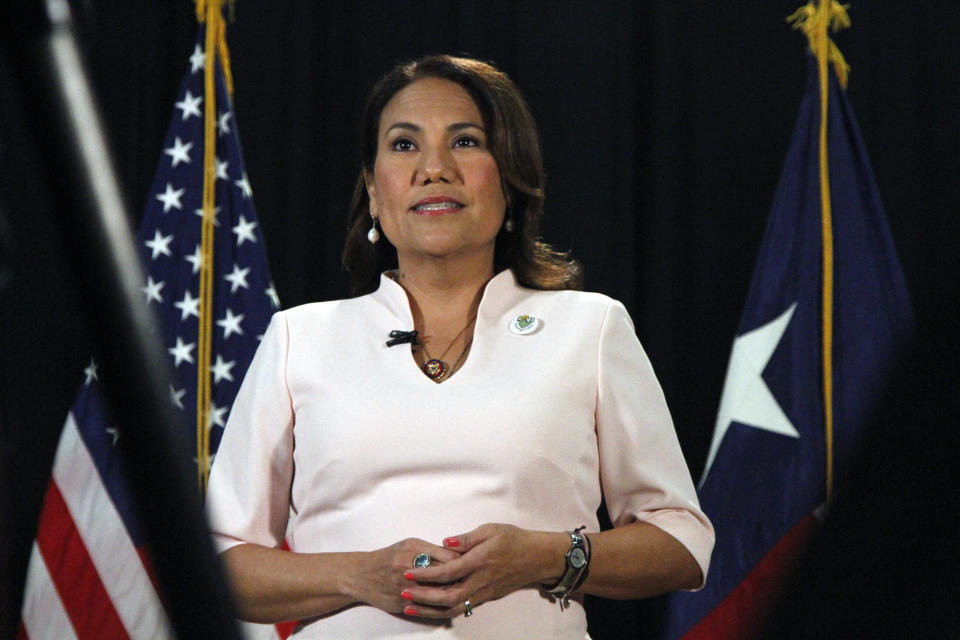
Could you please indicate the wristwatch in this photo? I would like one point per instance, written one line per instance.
(578, 561)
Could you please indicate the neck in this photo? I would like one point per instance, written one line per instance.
(443, 297)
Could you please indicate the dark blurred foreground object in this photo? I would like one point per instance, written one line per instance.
(887, 561)
(85, 206)
(6, 250)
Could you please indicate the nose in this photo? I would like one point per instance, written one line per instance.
(436, 165)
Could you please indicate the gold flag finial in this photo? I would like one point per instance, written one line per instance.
(214, 8)
(815, 19)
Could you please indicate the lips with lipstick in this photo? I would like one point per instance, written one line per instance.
(437, 206)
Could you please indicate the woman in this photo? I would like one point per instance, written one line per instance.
(436, 482)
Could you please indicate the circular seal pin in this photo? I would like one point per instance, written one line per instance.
(522, 325)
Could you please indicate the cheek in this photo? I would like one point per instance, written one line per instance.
(386, 185)
(489, 176)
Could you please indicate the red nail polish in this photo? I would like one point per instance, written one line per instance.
(409, 576)
(406, 595)
(451, 542)
(410, 611)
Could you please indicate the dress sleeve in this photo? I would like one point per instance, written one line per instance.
(642, 469)
(248, 497)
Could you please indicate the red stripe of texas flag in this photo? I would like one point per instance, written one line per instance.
(742, 614)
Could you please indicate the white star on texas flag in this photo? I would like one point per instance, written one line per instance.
(746, 398)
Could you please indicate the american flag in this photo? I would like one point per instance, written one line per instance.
(89, 576)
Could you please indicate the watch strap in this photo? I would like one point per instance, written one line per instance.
(577, 561)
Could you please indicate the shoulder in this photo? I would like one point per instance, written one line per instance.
(567, 315)
(580, 305)
(586, 299)
(316, 322)
(313, 313)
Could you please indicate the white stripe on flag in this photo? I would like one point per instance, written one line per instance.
(43, 614)
(105, 536)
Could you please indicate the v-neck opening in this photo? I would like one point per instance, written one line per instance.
(398, 300)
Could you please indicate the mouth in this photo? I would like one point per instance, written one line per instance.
(437, 206)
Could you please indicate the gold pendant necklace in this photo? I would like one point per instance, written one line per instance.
(436, 368)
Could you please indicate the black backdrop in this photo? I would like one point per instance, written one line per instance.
(664, 126)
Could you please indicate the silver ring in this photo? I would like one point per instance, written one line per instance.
(468, 609)
(422, 561)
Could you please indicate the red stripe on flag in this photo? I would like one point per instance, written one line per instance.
(84, 598)
(285, 629)
(22, 632)
(743, 613)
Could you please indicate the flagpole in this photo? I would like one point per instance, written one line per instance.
(815, 23)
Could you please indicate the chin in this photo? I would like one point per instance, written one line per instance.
(440, 250)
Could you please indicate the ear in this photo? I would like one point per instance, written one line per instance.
(371, 192)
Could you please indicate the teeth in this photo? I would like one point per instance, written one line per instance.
(437, 206)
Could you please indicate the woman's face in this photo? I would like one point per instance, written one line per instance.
(435, 185)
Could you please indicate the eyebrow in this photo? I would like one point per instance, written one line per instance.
(456, 126)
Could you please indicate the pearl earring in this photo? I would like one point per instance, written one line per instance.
(373, 235)
(508, 225)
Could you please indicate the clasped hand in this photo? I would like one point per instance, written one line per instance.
(487, 563)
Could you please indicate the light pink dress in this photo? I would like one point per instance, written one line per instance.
(361, 449)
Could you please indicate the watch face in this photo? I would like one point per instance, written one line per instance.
(577, 558)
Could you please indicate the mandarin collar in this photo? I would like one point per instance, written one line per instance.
(499, 295)
(394, 298)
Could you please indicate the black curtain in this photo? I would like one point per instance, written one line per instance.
(664, 126)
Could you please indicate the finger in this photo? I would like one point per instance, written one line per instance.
(437, 555)
(432, 602)
(421, 611)
(439, 558)
(457, 542)
(441, 554)
(439, 597)
(463, 542)
(465, 608)
(442, 573)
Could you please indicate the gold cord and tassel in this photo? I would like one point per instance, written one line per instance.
(815, 20)
(211, 13)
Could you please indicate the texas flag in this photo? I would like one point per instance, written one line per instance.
(764, 484)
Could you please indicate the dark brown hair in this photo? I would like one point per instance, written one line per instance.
(515, 146)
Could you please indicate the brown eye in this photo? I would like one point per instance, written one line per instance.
(402, 144)
(466, 141)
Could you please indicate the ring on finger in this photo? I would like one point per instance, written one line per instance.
(468, 610)
(422, 561)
